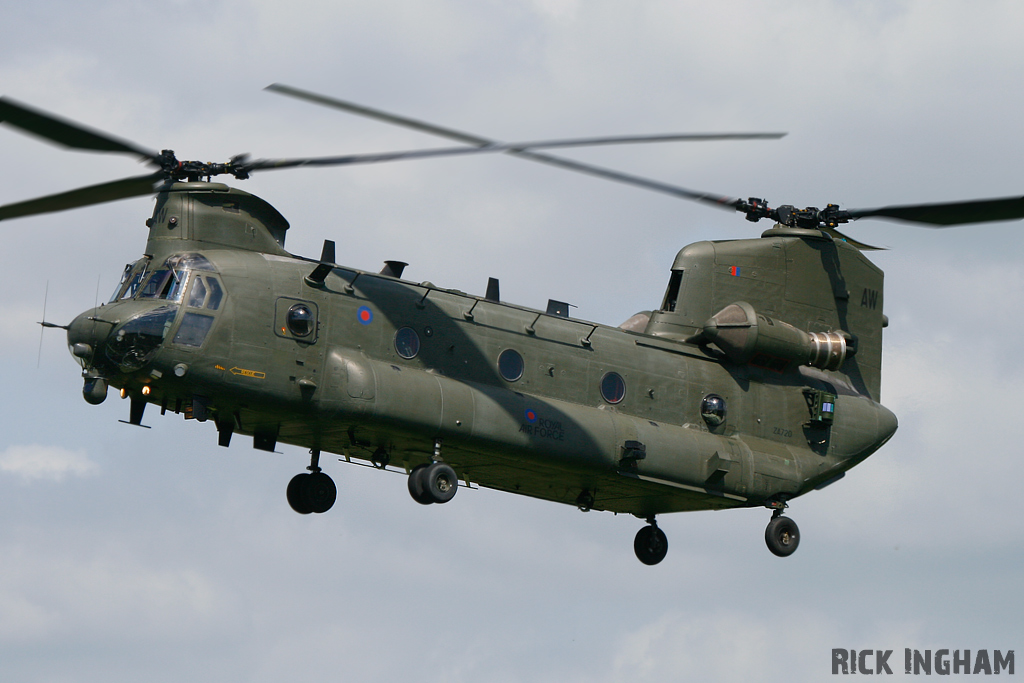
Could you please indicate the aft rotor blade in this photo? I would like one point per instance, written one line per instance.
(85, 196)
(261, 164)
(863, 246)
(953, 213)
(477, 141)
(64, 132)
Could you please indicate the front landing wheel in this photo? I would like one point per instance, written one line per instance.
(321, 492)
(782, 536)
(314, 492)
(650, 545)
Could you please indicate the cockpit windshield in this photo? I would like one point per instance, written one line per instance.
(131, 278)
(166, 282)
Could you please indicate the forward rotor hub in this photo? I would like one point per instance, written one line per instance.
(811, 217)
(195, 170)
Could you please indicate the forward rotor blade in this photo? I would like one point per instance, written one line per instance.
(261, 164)
(64, 132)
(953, 213)
(718, 201)
(85, 196)
(353, 108)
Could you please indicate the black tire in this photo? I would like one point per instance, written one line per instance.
(418, 485)
(650, 545)
(320, 492)
(440, 482)
(297, 497)
(782, 536)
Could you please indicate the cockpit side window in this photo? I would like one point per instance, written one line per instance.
(216, 293)
(120, 285)
(197, 295)
(193, 329)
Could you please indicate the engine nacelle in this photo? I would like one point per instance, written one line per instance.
(746, 336)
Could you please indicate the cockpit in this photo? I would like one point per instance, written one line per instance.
(153, 297)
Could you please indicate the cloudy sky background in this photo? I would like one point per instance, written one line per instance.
(130, 554)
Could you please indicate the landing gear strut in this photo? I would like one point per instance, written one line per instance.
(782, 534)
(313, 491)
(651, 543)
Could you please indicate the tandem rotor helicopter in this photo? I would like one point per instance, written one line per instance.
(755, 381)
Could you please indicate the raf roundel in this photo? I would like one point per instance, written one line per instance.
(530, 415)
(364, 315)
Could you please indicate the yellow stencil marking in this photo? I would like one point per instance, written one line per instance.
(249, 373)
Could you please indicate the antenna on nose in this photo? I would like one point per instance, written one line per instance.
(43, 324)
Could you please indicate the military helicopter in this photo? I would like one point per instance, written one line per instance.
(756, 381)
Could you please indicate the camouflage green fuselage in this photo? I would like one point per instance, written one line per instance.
(345, 388)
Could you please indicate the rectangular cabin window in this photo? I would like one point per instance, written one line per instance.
(672, 293)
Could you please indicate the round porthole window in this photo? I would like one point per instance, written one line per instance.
(510, 365)
(613, 387)
(301, 321)
(407, 342)
(712, 409)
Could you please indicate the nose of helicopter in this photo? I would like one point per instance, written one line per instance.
(116, 340)
(85, 335)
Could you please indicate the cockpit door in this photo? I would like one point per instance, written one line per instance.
(202, 301)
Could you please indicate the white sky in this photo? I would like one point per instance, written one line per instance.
(130, 554)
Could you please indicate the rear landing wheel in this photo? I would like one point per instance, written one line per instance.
(782, 536)
(650, 545)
